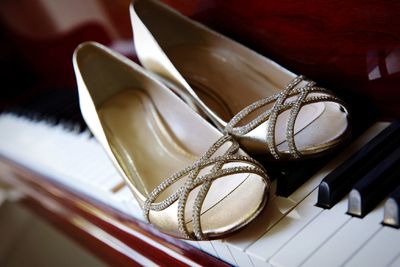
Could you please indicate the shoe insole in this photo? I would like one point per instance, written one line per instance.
(147, 150)
(236, 83)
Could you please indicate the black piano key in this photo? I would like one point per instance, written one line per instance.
(58, 106)
(391, 211)
(290, 178)
(291, 175)
(340, 181)
(375, 185)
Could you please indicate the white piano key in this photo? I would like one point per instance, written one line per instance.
(123, 194)
(257, 262)
(108, 177)
(312, 236)
(347, 240)
(97, 177)
(272, 214)
(81, 164)
(264, 248)
(88, 169)
(380, 250)
(65, 158)
(241, 258)
(132, 208)
(395, 262)
(109, 182)
(207, 247)
(316, 179)
(223, 252)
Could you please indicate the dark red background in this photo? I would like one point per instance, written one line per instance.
(351, 47)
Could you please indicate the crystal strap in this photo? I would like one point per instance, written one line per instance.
(281, 104)
(204, 181)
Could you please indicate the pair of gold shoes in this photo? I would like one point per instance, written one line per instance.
(192, 180)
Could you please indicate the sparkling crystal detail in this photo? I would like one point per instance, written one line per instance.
(281, 103)
(191, 173)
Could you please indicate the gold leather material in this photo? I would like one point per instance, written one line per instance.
(197, 60)
(149, 134)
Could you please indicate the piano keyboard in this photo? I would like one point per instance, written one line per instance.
(291, 231)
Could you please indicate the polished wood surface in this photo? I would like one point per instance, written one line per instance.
(107, 233)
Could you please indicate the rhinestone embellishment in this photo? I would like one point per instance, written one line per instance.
(193, 180)
(281, 103)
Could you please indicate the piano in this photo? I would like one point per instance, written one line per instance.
(62, 174)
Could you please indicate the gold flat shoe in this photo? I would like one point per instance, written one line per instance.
(191, 181)
(268, 109)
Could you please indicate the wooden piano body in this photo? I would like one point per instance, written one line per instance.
(351, 47)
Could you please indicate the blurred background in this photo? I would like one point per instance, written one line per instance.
(351, 47)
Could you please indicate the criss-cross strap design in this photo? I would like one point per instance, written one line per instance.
(217, 167)
(281, 103)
